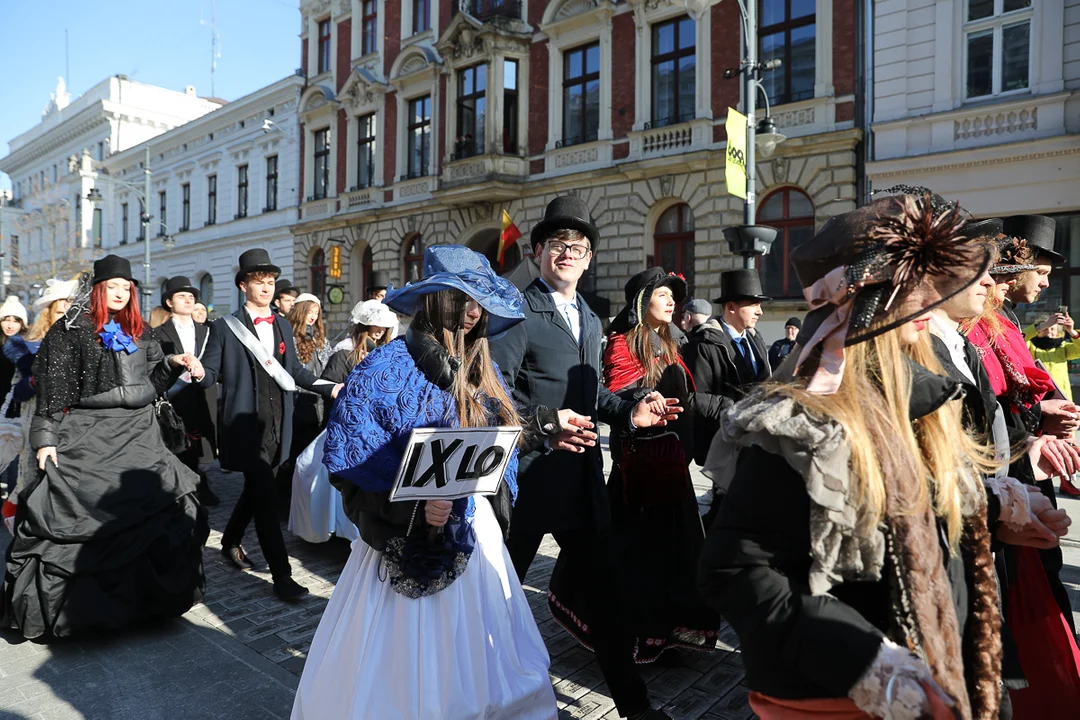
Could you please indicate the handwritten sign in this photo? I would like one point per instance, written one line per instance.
(451, 463)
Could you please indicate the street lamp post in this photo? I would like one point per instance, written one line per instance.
(749, 240)
(143, 194)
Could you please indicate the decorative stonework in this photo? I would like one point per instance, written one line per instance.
(997, 123)
(414, 189)
(570, 8)
(464, 171)
(575, 157)
(794, 118)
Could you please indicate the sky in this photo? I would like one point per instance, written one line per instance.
(159, 42)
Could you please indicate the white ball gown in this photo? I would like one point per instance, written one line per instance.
(471, 650)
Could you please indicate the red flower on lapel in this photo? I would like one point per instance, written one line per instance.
(281, 348)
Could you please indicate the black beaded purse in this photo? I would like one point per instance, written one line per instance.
(422, 564)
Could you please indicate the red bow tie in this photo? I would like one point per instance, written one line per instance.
(267, 319)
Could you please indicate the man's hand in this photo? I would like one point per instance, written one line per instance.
(1060, 418)
(1057, 520)
(1050, 457)
(654, 410)
(575, 432)
(437, 512)
(46, 453)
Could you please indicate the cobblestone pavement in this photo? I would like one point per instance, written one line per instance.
(239, 655)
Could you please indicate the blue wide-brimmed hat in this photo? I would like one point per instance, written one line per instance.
(456, 267)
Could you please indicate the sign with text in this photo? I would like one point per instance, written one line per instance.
(451, 463)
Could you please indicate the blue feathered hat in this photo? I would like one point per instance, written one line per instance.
(456, 267)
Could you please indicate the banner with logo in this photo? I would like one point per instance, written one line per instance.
(735, 172)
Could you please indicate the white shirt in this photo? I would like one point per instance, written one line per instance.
(186, 332)
(738, 338)
(954, 342)
(264, 331)
(568, 310)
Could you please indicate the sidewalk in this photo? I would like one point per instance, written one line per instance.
(239, 655)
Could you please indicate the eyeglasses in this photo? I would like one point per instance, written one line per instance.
(556, 248)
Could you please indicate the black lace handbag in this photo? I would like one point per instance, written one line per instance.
(421, 564)
(172, 427)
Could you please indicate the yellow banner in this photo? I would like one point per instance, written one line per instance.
(735, 172)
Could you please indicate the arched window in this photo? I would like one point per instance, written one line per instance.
(486, 242)
(674, 242)
(366, 267)
(318, 273)
(413, 261)
(791, 212)
(206, 291)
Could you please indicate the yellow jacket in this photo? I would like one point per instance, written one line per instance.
(1056, 362)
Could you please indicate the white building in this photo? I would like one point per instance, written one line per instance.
(55, 230)
(220, 185)
(980, 102)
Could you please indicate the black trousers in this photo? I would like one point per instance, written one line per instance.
(588, 553)
(258, 502)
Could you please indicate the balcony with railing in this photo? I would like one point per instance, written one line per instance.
(670, 136)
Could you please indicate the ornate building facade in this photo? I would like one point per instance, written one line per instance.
(422, 120)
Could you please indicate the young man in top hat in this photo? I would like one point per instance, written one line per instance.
(726, 355)
(552, 360)
(285, 295)
(252, 353)
(1039, 231)
(181, 334)
(377, 283)
(780, 349)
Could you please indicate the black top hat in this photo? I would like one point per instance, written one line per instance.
(566, 212)
(1038, 230)
(988, 228)
(284, 285)
(740, 285)
(111, 267)
(253, 261)
(178, 284)
(639, 290)
(378, 280)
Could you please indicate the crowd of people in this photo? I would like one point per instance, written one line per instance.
(882, 534)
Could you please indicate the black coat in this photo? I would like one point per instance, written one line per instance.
(720, 376)
(240, 421)
(755, 569)
(544, 366)
(189, 401)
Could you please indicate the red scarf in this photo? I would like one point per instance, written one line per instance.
(622, 369)
(1008, 362)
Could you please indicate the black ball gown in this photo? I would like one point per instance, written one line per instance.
(112, 535)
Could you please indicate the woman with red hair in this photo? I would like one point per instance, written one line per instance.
(109, 535)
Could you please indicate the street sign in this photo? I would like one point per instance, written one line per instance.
(334, 271)
(451, 463)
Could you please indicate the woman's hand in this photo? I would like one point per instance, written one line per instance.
(437, 512)
(46, 453)
(654, 410)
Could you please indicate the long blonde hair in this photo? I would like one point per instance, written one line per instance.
(360, 335)
(639, 342)
(159, 316)
(45, 320)
(440, 315)
(872, 405)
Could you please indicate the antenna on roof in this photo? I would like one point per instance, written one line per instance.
(215, 41)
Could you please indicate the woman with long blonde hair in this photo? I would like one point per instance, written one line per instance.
(851, 553)
(428, 619)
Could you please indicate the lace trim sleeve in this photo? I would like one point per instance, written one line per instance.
(1015, 503)
(892, 687)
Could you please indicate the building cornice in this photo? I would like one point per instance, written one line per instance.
(1061, 146)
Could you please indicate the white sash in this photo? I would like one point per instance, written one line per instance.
(266, 361)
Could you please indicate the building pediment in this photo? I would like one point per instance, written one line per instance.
(413, 61)
(467, 38)
(318, 100)
(568, 14)
(362, 87)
